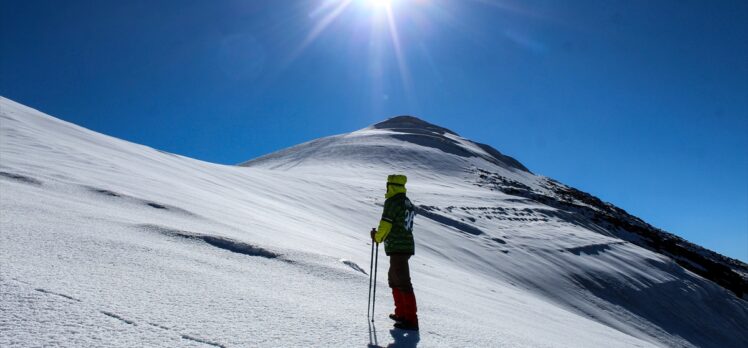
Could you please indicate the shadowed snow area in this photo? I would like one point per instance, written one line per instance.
(108, 243)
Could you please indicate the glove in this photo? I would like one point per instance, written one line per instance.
(373, 232)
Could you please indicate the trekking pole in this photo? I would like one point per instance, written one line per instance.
(374, 300)
(371, 268)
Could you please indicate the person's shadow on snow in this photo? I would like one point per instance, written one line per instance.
(404, 339)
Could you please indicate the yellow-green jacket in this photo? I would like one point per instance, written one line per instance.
(396, 226)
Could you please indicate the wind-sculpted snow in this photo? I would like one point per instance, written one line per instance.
(124, 198)
(216, 241)
(353, 266)
(20, 178)
(57, 294)
(586, 210)
(115, 316)
(460, 226)
(109, 243)
(592, 249)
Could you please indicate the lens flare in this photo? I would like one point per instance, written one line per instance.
(391, 30)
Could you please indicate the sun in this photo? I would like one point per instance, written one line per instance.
(378, 15)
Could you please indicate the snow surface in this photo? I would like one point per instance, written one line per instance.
(109, 243)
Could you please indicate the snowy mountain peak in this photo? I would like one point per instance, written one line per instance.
(399, 143)
(408, 124)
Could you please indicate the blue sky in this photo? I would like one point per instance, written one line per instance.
(642, 103)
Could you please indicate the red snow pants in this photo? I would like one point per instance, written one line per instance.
(398, 277)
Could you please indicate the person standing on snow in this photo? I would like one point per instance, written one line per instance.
(396, 231)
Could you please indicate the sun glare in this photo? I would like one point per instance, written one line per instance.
(380, 18)
(384, 35)
(380, 3)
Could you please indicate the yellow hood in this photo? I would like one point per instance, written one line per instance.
(395, 185)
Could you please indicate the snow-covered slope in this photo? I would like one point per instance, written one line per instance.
(105, 242)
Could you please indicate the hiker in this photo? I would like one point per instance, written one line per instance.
(396, 231)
